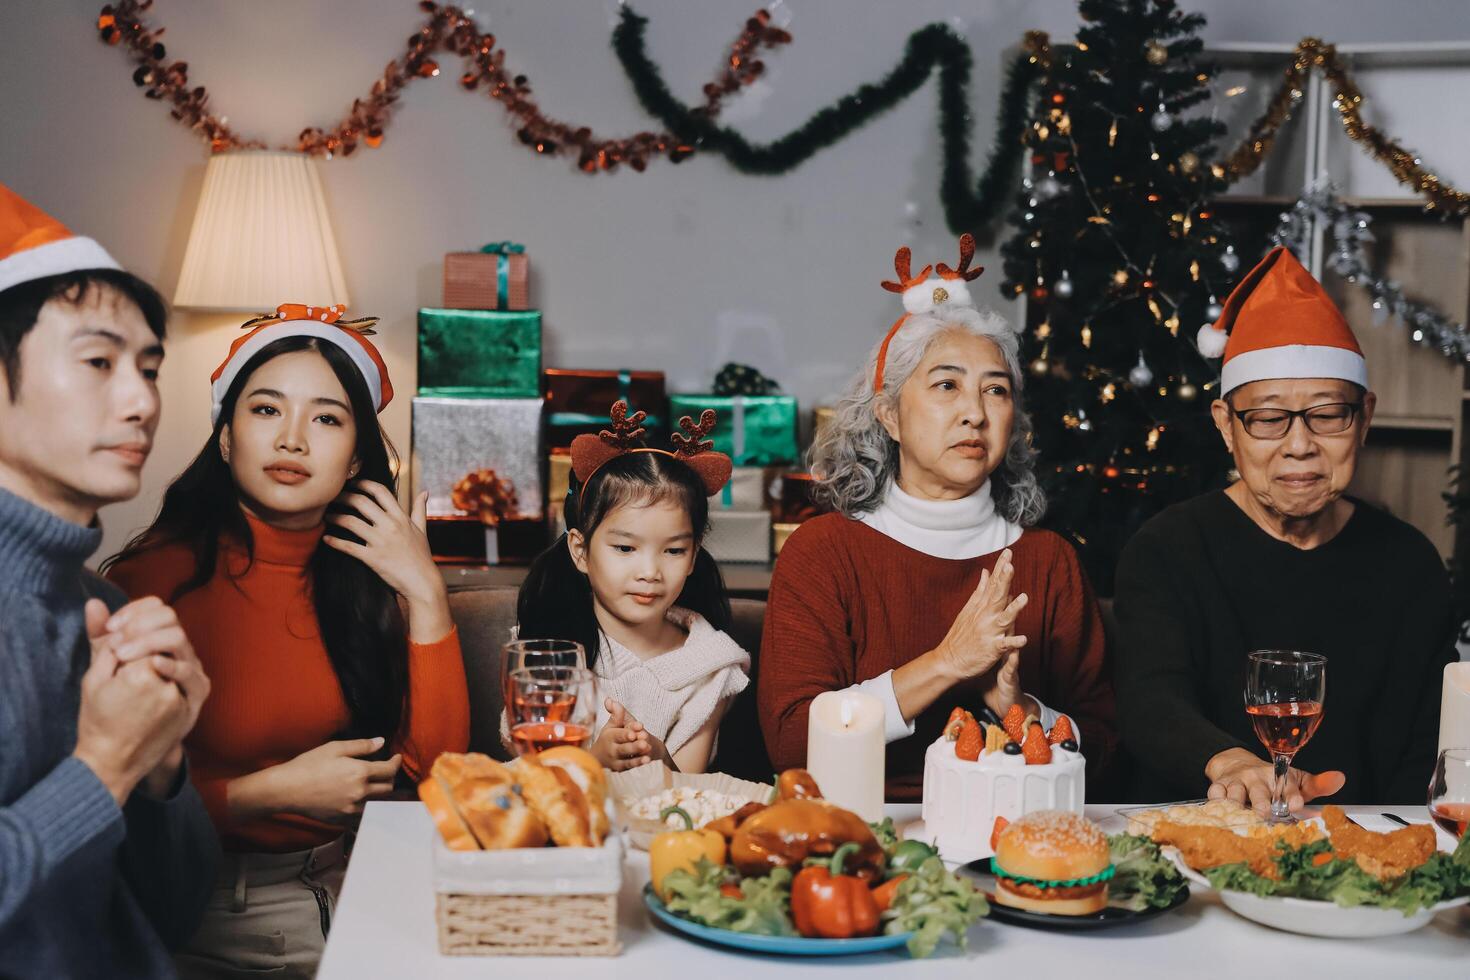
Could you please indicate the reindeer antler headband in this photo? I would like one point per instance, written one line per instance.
(923, 294)
(590, 453)
(298, 320)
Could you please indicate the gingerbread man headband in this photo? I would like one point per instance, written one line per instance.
(590, 453)
(923, 293)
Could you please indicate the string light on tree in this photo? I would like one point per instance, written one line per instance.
(1230, 262)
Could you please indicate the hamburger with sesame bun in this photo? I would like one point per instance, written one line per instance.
(1052, 862)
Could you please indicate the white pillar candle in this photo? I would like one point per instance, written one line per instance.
(845, 749)
(1454, 707)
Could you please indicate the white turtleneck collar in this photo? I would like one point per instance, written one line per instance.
(956, 529)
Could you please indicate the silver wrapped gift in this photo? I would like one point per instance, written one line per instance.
(453, 437)
(738, 535)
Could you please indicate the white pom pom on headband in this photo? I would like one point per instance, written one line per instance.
(298, 320)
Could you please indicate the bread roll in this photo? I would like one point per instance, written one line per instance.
(475, 803)
(452, 828)
(498, 815)
(557, 800)
(587, 773)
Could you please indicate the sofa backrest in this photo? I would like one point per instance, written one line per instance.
(485, 616)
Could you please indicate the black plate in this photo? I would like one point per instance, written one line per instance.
(1106, 919)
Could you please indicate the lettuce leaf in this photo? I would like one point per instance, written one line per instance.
(933, 902)
(1142, 877)
(763, 910)
(1342, 882)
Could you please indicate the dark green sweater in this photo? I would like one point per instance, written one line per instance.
(1201, 585)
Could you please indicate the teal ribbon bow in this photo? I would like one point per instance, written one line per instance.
(502, 252)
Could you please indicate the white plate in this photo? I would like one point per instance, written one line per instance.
(1313, 918)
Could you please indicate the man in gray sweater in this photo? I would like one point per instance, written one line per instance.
(106, 853)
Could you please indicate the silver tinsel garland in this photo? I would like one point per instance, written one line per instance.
(1349, 259)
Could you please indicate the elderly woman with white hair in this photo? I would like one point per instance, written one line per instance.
(929, 586)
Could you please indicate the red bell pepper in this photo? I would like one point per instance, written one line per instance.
(885, 893)
(828, 904)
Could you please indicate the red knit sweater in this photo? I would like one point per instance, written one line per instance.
(848, 603)
(274, 693)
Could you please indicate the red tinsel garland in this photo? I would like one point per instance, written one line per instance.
(447, 30)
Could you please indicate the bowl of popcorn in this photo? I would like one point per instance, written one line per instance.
(641, 795)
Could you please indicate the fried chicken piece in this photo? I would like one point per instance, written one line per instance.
(1384, 856)
(1210, 847)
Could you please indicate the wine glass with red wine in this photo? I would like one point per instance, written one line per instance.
(1284, 691)
(551, 706)
(1449, 792)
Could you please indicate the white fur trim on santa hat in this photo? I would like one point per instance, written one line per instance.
(1293, 361)
(296, 328)
(1211, 341)
(920, 299)
(52, 259)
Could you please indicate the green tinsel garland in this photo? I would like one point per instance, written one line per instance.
(968, 204)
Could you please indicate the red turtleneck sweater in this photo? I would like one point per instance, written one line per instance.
(274, 693)
(849, 602)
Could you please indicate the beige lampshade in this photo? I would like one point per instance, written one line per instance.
(261, 237)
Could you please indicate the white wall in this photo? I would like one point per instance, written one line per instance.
(631, 269)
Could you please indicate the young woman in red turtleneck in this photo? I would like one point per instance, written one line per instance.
(321, 620)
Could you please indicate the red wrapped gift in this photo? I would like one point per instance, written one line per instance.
(577, 401)
(797, 502)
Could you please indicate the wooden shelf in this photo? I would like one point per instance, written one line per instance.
(1407, 205)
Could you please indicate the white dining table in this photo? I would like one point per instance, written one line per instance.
(384, 927)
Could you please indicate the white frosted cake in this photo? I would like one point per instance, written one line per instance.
(962, 797)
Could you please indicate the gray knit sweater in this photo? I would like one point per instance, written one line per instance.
(86, 889)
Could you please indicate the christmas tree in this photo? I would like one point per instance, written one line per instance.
(1121, 258)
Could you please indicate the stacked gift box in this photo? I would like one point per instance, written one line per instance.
(578, 402)
(759, 434)
(477, 416)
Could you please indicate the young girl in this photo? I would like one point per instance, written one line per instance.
(319, 615)
(630, 582)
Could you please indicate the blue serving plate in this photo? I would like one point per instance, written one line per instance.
(779, 945)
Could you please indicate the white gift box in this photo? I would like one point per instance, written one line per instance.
(739, 536)
(749, 489)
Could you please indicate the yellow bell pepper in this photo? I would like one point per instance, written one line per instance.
(677, 849)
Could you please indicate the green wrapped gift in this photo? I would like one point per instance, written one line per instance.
(480, 353)
(754, 430)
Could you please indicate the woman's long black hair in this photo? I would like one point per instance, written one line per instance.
(358, 614)
(556, 599)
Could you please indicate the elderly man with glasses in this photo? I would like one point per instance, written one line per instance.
(1283, 559)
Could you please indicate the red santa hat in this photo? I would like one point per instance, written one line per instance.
(297, 320)
(34, 245)
(1280, 323)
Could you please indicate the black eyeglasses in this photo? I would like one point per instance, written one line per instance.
(1323, 420)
